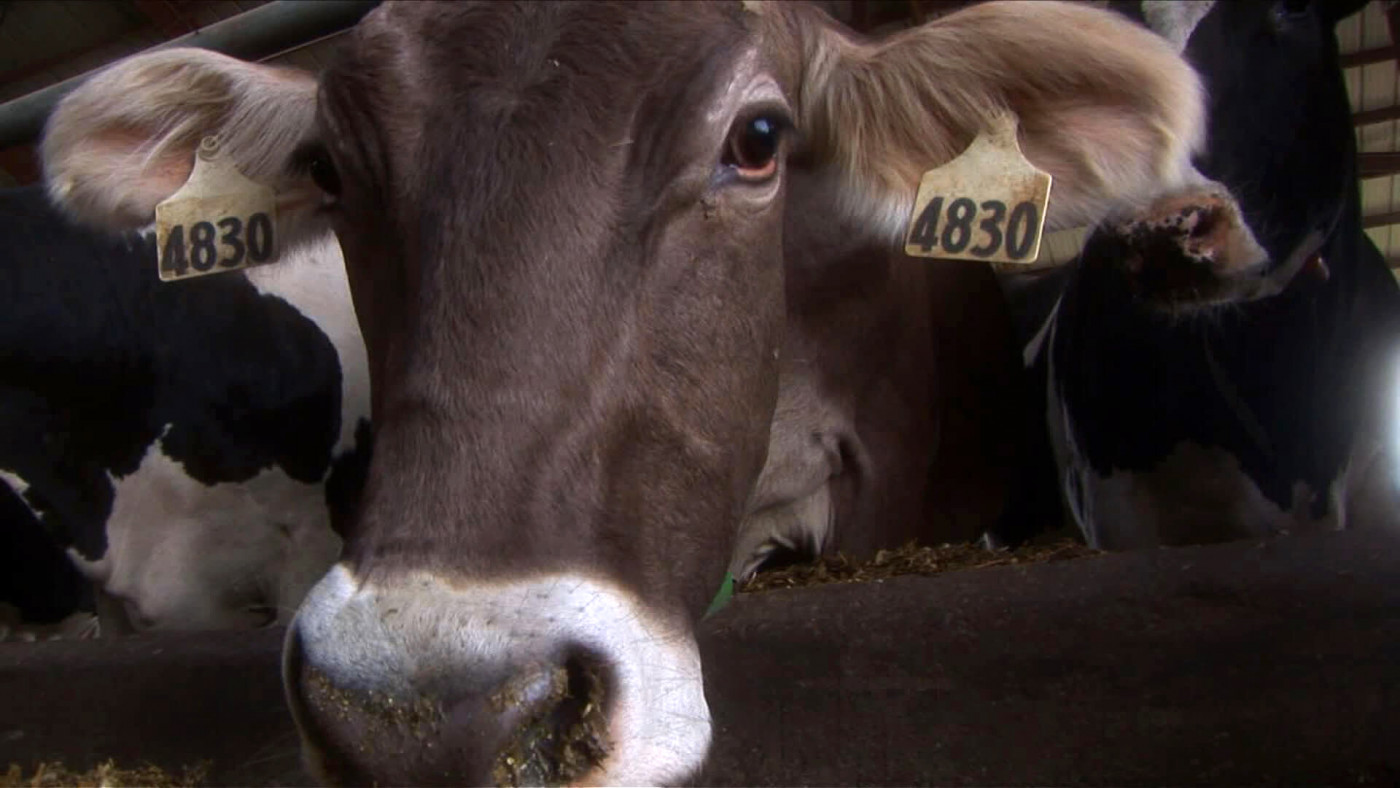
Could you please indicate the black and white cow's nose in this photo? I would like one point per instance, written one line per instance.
(546, 681)
(1190, 238)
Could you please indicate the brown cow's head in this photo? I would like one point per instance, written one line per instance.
(566, 228)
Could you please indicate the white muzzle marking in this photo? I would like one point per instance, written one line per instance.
(369, 638)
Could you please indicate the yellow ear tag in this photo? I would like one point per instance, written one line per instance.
(218, 221)
(988, 204)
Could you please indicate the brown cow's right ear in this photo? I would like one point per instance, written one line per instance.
(1104, 105)
(125, 140)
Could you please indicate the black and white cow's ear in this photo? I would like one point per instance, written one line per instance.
(1334, 11)
(126, 139)
(1103, 105)
(1175, 20)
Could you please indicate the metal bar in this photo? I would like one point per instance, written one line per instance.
(304, 45)
(1377, 165)
(1381, 219)
(255, 34)
(1367, 117)
(1368, 56)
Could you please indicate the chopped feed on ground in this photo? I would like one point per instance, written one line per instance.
(104, 775)
(912, 559)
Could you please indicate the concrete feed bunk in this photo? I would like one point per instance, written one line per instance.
(1243, 663)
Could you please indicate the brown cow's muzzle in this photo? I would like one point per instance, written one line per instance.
(545, 681)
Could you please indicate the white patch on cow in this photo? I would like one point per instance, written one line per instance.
(1372, 488)
(1198, 494)
(1069, 461)
(1032, 349)
(1195, 494)
(367, 637)
(19, 485)
(13, 479)
(311, 277)
(1373, 473)
(186, 555)
(1175, 20)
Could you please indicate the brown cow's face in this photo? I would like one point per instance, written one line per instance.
(565, 228)
(562, 227)
(563, 231)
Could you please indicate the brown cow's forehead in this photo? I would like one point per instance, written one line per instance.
(510, 173)
(419, 66)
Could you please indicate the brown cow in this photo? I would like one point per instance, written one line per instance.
(625, 275)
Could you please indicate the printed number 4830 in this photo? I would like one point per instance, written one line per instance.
(250, 243)
(956, 233)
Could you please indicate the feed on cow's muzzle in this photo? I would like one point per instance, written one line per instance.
(566, 735)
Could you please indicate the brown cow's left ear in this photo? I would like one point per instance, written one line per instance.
(125, 140)
(1103, 105)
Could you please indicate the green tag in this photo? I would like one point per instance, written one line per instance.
(726, 593)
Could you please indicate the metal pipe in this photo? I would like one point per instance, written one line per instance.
(264, 31)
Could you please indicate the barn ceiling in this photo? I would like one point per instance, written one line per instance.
(1370, 41)
(43, 42)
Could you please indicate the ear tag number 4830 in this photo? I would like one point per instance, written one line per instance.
(988, 204)
(218, 221)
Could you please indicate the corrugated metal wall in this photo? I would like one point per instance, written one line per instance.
(1375, 86)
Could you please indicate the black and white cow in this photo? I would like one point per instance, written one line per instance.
(185, 442)
(1224, 365)
(38, 583)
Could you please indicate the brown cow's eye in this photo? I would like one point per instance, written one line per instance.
(752, 149)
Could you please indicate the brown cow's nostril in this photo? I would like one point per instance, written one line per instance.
(562, 734)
